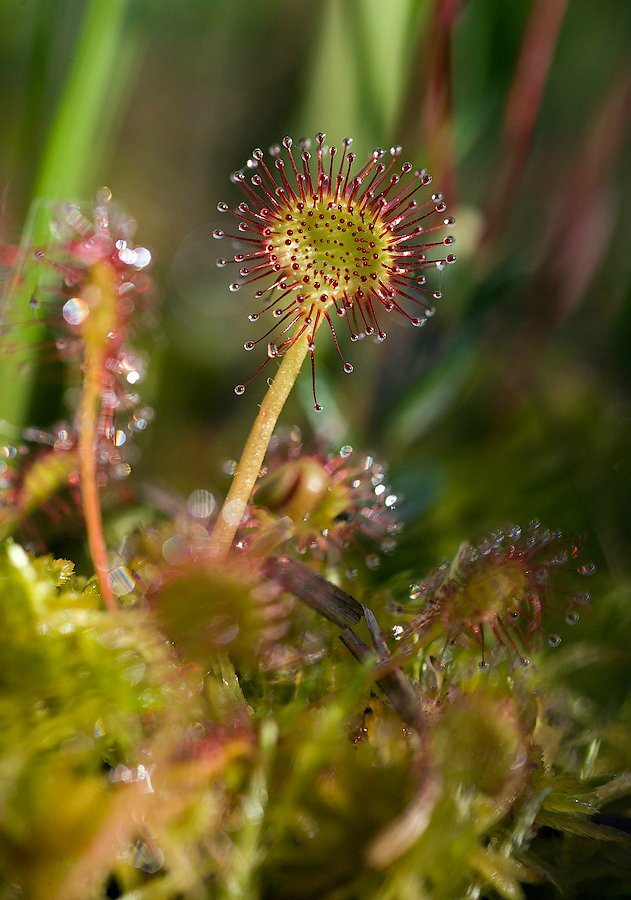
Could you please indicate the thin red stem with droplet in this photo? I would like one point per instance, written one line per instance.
(99, 324)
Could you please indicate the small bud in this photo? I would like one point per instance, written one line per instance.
(334, 500)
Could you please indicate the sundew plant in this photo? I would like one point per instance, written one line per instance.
(313, 567)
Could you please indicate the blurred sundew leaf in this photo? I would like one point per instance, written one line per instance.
(207, 611)
(48, 474)
(70, 160)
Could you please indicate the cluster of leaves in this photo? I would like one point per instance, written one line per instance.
(208, 733)
(215, 738)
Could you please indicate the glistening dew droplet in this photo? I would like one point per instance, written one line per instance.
(121, 580)
(75, 310)
(201, 504)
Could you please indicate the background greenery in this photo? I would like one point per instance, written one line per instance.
(514, 401)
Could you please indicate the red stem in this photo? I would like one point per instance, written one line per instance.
(522, 108)
(102, 310)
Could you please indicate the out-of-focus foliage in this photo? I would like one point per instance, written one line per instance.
(214, 738)
(80, 692)
(123, 765)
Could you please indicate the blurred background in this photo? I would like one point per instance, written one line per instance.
(514, 401)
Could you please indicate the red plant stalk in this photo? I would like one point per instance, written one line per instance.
(101, 296)
(522, 108)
